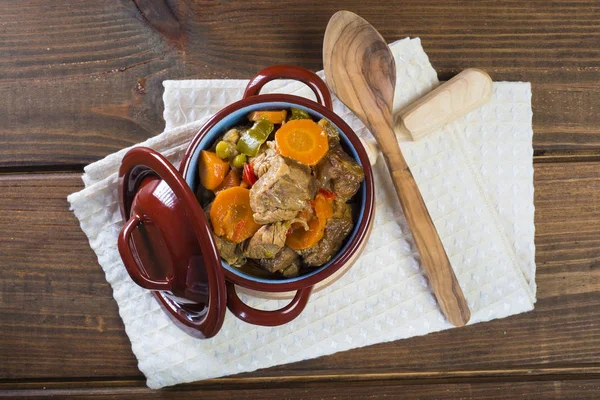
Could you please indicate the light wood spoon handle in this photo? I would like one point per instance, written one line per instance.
(449, 101)
(433, 256)
(360, 69)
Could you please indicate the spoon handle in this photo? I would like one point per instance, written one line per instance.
(449, 101)
(433, 256)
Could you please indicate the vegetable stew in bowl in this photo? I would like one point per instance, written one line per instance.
(279, 193)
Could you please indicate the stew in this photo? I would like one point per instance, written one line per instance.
(278, 193)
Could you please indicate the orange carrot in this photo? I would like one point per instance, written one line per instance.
(302, 140)
(323, 206)
(276, 117)
(231, 215)
(300, 239)
(231, 179)
(212, 169)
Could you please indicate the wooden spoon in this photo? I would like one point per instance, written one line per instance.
(360, 70)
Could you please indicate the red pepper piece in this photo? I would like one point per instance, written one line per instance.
(248, 175)
(327, 193)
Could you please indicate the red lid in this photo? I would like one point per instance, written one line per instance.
(167, 245)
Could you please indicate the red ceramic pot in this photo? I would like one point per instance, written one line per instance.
(166, 243)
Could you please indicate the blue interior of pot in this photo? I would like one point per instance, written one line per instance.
(239, 117)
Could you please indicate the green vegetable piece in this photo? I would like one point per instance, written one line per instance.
(298, 113)
(253, 138)
(223, 150)
(332, 133)
(239, 161)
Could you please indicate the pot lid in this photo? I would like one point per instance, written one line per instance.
(166, 224)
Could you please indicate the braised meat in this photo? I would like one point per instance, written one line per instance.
(282, 260)
(291, 271)
(339, 173)
(229, 251)
(282, 191)
(262, 162)
(267, 241)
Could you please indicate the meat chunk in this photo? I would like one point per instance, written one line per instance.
(262, 162)
(336, 230)
(232, 135)
(283, 260)
(267, 241)
(340, 173)
(229, 251)
(303, 216)
(282, 191)
(291, 271)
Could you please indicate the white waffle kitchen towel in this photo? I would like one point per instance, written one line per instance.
(475, 175)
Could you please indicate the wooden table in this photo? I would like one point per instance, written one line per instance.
(82, 79)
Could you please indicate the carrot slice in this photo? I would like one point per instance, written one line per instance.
(212, 169)
(276, 117)
(300, 239)
(231, 215)
(302, 140)
(231, 179)
(323, 205)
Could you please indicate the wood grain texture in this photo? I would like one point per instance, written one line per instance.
(78, 80)
(360, 70)
(58, 319)
(56, 305)
(82, 79)
(547, 390)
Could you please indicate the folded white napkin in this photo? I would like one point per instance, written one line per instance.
(475, 175)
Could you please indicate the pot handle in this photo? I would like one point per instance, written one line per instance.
(133, 267)
(267, 318)
(309, 78)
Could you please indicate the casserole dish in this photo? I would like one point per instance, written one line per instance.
(166, 243)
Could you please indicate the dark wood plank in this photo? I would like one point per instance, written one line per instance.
(56, 305)
(58, 319)
(512, 40)
(79, 80)
(550, 390)
(83, 79)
